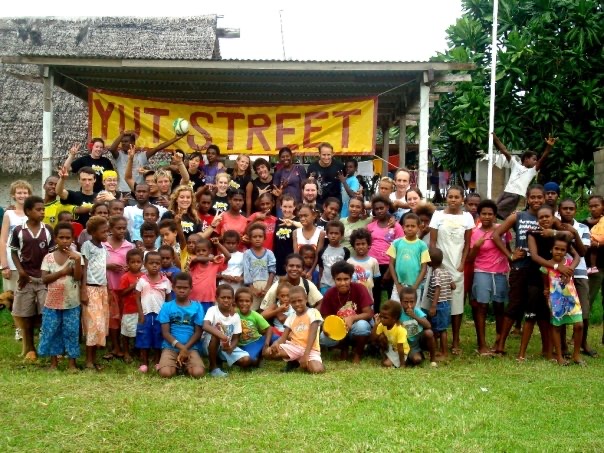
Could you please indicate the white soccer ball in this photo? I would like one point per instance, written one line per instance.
(181, 126)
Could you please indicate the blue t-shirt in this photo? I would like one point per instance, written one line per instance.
(355, 185)
(413, 327)
(182, 320)
(170, 272)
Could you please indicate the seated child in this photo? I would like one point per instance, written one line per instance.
(419, 331)
(256, 334)
(181, 326)
(390, 336)
(299, 344)
(221, 337)
(280, 310)
(127, 295)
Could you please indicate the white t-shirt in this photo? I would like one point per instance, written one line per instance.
(134, 215)
(153, 295)
(228, 325)
(520, 178)
(14, 220)
(234, 269)
(140, 160)
(584, 234)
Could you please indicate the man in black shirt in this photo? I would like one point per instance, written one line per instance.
(325, 172)
(84, 198)
(94, 160)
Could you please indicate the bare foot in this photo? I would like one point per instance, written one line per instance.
(356, 359)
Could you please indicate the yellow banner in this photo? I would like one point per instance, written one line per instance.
(349, 126)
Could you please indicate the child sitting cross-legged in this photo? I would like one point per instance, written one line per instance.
(181, 326)
(222, 330)
(299, 344)
(256, 334)
(391, 337)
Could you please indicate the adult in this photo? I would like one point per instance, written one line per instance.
(262, 184)
(82, 199)
(94, 160)
(294, 265)
(119, 150)
(52, 204)
(214, 166)
(325, 172)
(402, 178)
(288, 179)
(241, 179)
(196, 175)
(110, 182)
(414, 198)
(552, 193)
(183, 207)
(351, 302)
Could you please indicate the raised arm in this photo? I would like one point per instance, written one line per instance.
(73, 151)
(501, 147)
(182, 170)
(151, 152)
(61, 191)
(550, 142)
(128, 172)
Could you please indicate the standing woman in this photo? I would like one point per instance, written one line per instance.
(241, 179)
(262, 184)
(414, 198)
(183, 207)
(451, 231)
(288, 179)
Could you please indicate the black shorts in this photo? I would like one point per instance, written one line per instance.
(526, 296)
(506, 204)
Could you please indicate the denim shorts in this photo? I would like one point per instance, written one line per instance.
(442, 319)
(148, 334)
(489, 287)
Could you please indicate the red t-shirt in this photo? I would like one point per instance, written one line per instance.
(270, 221)
(204, 281)
(129, 300)
(335, 303)
(206, 220)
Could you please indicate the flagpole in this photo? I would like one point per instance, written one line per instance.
(492, 98)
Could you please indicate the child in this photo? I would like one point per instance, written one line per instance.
(222, 330)
(357, 218)
(596, 223)
(309, 233)
(350, 184)
(366, 267)
(232, 219)
(439, 297)
(152, 290)
(62, 272)
(283, 240)
(168, 267)
(451, 231)
(189, 253)
(259, 264)
(299, 344)
(134, 214)
(204, 205)
(331, 209)
(173, 236)
(419, 331)
(425, 211)
(233, 274)
(491, 268)
(281, 309)
(390, 335)
(116, 207)
(309, 259)
(521, 175)
(383, 233)
(265, 205)
(117, 248)
(256, 333)
(127, 295)
(149, 232)
(409, 258)
(100, 209)
(181, 326)
(28, 244)
(331, 254)
(95, 310)
(563, 300)
(386, 187)
(351, 302)
(204, 268)
(65, 216)
(470, 206)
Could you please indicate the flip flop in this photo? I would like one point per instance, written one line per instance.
(591, 353)
(109, 356)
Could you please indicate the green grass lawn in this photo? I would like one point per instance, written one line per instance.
(469, 403)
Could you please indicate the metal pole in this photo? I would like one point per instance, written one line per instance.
(47, 124)
(424, 128)
(282, 37)
(492, 99)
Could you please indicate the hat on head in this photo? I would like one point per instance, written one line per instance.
(552, 187)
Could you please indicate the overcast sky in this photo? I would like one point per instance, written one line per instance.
(402, 30)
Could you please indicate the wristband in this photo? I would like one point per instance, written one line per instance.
(174, 343)
(556, 266)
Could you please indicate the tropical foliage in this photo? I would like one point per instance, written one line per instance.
(549, 81)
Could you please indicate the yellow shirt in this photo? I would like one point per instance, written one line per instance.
(53, 209)
(396, 336)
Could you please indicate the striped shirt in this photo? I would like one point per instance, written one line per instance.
(440, 277)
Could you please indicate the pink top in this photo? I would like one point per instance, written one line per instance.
(489, 258)
(204, 281)
(381, 238)
(231, 222)
(116, 256)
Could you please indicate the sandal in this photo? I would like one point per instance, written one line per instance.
(109, 356)
(591, 353)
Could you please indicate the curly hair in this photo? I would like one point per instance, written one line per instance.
(191, 210)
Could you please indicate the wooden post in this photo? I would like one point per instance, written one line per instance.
(385, 150)
(402, 142)
(424, 127)
(47, 124)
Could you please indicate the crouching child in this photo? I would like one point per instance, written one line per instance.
(419, 330)
(390, 336)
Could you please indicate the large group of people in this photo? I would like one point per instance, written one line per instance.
(167, 266)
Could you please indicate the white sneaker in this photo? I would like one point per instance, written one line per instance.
(18, 336)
